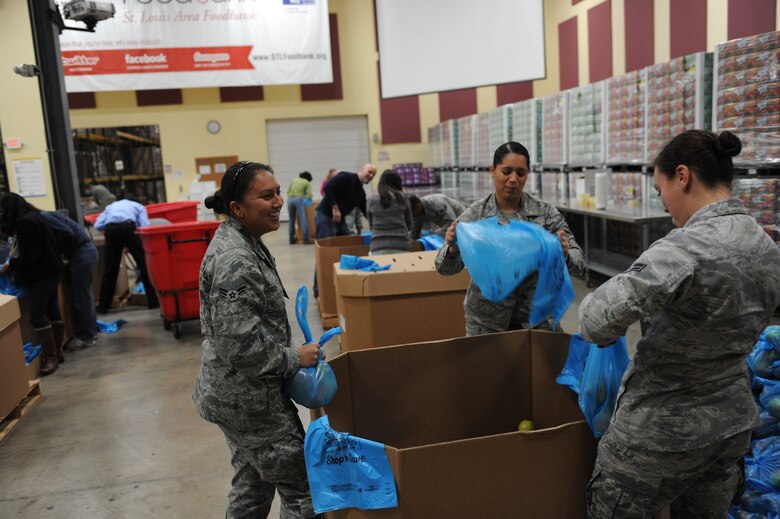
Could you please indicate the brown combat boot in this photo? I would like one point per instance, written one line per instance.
(58, 328)
(49, 363)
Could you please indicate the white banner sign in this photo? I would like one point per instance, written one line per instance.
(151, 44)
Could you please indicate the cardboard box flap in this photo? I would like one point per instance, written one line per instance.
(533, 470)
(411, 273)
(406, 396)
(341, 419)
(9, 311)
(553, 404)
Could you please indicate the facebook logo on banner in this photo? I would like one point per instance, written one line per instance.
(299, 2)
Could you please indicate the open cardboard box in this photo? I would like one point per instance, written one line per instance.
(328, 251)
(14, 384)
(409, 303)
(448, 413)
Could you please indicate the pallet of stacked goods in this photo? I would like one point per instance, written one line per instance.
(554, 129)
(761, 196)
(434, 145)
(467, 127)
(526, 129)
(626, 114)
(679, 98)
(483, 155)
(500, 126)
(587, 125)
(747, 96)
(626, 189)
(449, 143)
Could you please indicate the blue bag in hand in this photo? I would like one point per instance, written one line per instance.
(7, 287)
(601, 379)
(315, 386)
(346, 471)
(348, 262)
(762, 471)
(499, 257)
(431, 242)
(571, 374)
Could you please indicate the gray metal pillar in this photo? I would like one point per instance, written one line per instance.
(46, 36)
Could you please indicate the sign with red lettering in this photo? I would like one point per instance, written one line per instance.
(155, 44)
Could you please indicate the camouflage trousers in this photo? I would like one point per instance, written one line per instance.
(629, 482)
(260, 470)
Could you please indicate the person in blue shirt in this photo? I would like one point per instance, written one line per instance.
(81, 258)
(118, 223)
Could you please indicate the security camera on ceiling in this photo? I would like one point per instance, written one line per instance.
(90, 13)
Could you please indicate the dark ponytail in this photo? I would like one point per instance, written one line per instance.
(235, 184)
(12, 208)
(706, 154)
(390, 188)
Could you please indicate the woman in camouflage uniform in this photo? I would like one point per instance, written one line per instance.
(685, 411)
(509, 202)
(247, 351)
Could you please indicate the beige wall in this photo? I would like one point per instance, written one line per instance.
(21, 115)
(183, 127)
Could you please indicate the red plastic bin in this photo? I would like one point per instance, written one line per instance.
(173, 256)
(174, 212)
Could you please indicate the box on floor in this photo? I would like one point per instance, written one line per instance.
(411, 302)
(14, 384)
(448, 412)
(310, 209)
(328, 251)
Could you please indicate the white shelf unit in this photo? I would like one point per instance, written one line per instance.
(467, 135)
(483, 155)
(449, 143)
(500, 130)
(434, 146)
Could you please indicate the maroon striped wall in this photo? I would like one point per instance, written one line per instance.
(242, 93)
(328, 91)
(688, 27)
(457, 103)
(514, 92)
(640, 48)
(80, 100)
(600, 41)
(568, 54)
(749, 17)
(400, 119)
(171, 96)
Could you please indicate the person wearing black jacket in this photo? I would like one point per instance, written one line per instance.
(81, 258)
(36, 263)
(343, 193)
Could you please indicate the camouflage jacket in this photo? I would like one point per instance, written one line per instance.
(440, 212)
(246, 338)
(707, 289)
(483, 316)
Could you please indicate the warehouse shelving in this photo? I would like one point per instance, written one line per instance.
(527, 127)
(125, 158)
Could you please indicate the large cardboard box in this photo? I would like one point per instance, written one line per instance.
(448, 413)
(328, 251)
(13, 373)
(411, 302)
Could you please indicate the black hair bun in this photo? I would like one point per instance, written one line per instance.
(216, 202)
(729, 144)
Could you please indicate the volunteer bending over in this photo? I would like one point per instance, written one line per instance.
(509, 202)
(247, 350)
(684, 412)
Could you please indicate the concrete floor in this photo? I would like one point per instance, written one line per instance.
(116, 434)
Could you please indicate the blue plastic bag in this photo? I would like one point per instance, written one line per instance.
(30, 352)
(499, 257)
(431, 242)
(571, 374)
(8, 288)
(348, 262)
(763, 358)
(366, 238)
(307, 202)
(315, 386)
(770, 400)
(601, 380)
(111, 327)
(762, 470)
(346, 471)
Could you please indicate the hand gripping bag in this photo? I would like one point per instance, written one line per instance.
(499, 257)
(601, 380)
(571, 374)
(315, 386)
